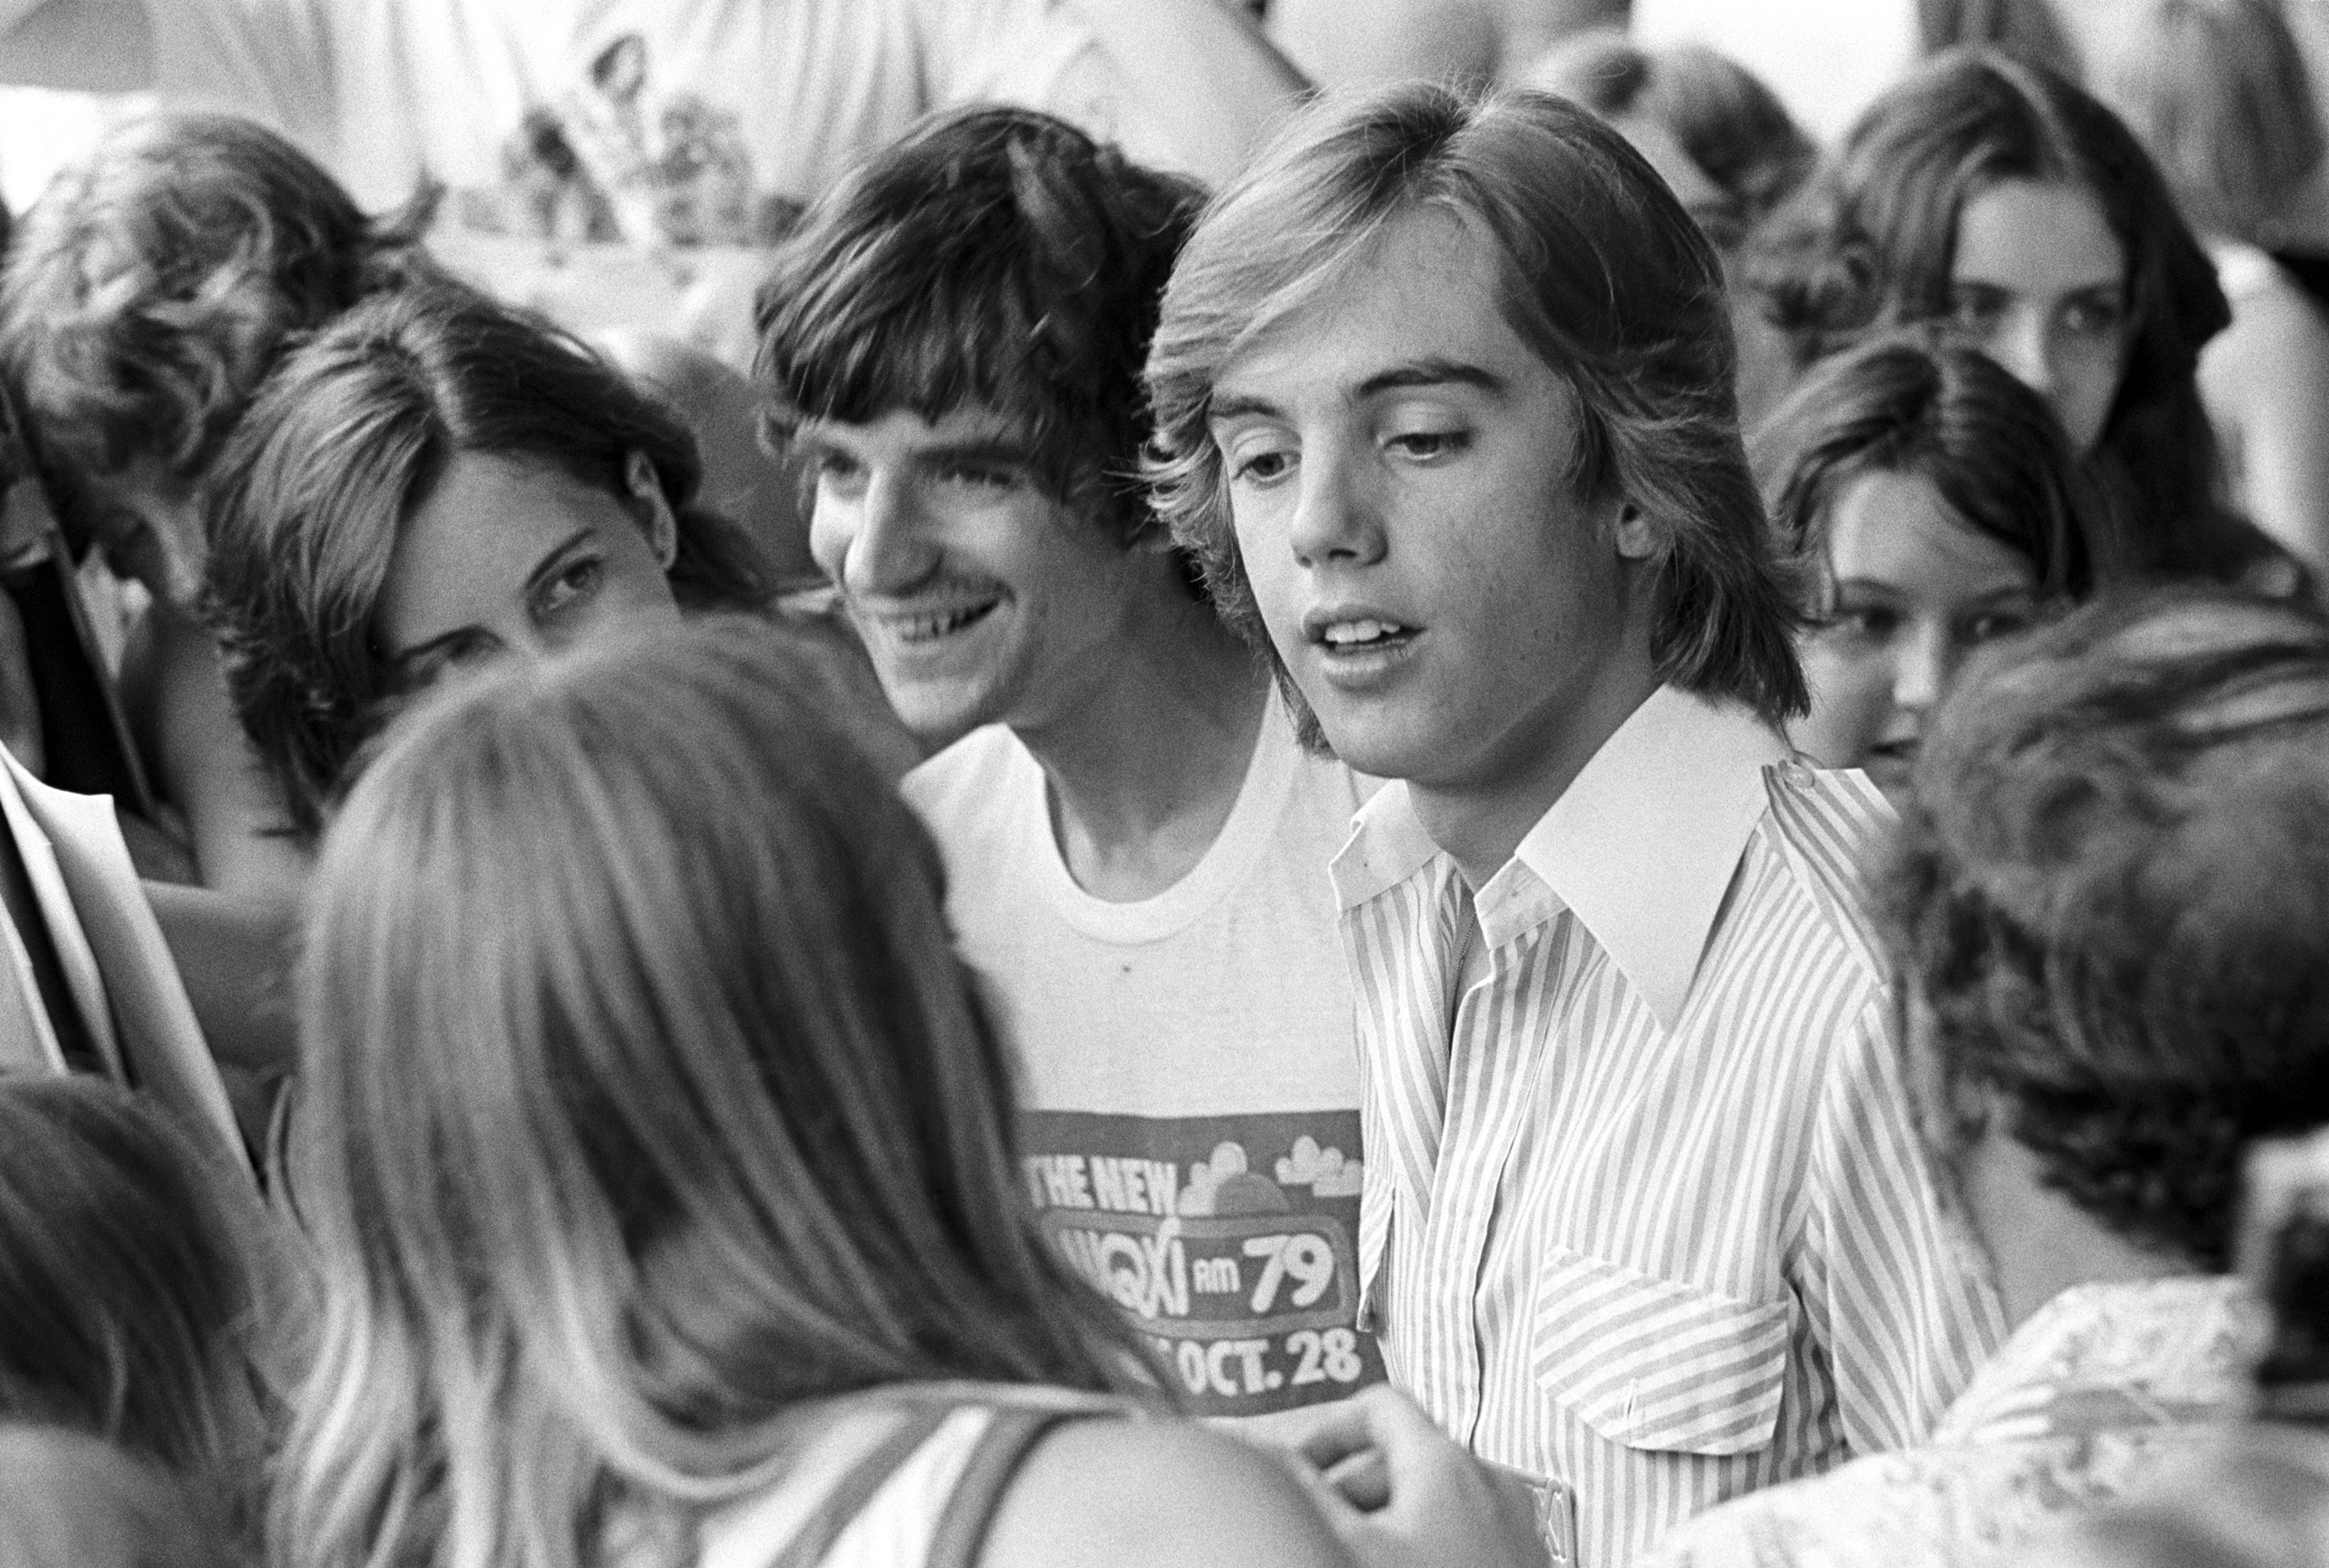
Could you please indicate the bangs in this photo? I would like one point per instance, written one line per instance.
(855, 342)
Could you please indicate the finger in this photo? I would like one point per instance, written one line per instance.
(1332, 1506)
(1364, 1479)
(1340, 1429)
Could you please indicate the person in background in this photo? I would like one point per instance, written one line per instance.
(627, 164)
(2009, 207)
(431, 481)
(2110, 901)
(1341, 46)
(147, 294)
(1135, 844)
(742, 480)
(1940, 508)
(2218, 92)
(1723, 142)
(129, 1288)
(717, 1097)
(1444, 404)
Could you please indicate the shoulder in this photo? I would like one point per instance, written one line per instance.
(1826, 832)
(1139, 1494)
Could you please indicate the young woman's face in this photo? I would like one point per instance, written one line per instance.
(2038, 284)
(513, 555)
(1913, 588)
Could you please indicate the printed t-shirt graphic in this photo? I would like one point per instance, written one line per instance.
(1186, 1068)
(1230, 1240)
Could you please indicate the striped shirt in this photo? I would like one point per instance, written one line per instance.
(1643, 1208)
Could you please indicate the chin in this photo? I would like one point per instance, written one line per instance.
(1378, 750)
(934, 718)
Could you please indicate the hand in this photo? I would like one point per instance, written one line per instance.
(1401, 1494)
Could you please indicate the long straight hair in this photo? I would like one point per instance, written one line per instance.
(1872, 245)
(644, 1102)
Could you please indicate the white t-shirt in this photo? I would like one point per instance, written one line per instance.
(1187, 1068)
(620, 162)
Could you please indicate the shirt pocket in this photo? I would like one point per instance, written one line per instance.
(1652, 1364)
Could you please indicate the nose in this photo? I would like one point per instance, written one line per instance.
(2025, 347)
(1922, 668)
(871, 542)
(1337, 519)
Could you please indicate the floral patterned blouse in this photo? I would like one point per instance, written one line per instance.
(2102, 1386)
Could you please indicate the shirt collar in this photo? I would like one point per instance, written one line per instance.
(1641, 846)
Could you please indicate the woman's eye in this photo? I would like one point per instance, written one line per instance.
(424, 670)
(570, 587)
(1995, 623)
(1869, 623)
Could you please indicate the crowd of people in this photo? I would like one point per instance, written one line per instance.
(964, 783)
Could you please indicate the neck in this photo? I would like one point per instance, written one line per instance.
(2040, 1243)
(1481, 819)
(1145, 766)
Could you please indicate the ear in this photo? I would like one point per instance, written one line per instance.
(1636, 539)
(651, 507)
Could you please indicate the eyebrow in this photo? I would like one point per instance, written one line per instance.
(1430, 372)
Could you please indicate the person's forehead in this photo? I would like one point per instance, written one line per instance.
(905, 430)
(2034, 234)
(1890, 527)
(1429, 286)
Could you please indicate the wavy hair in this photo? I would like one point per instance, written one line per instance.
(2111, 887)
(1722, 115)
(1872, 243)
(1989, 446)
(646, 1101)
(305, 504)
(151, 287)
(993, 257)
(1604, 276)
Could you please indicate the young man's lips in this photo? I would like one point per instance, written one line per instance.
(925, 623)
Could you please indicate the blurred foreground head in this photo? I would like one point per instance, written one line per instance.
(2111, 895)
(646, 1100)
(125, 1306)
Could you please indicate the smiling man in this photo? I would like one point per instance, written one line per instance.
(1444, 406)
(1135, 844)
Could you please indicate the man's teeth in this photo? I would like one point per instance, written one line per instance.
(920, 628)
(1343, 633)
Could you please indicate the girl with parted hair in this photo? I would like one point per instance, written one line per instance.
(2001, 201)
(660, 1177)
(1941, 507)
(432, 479)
